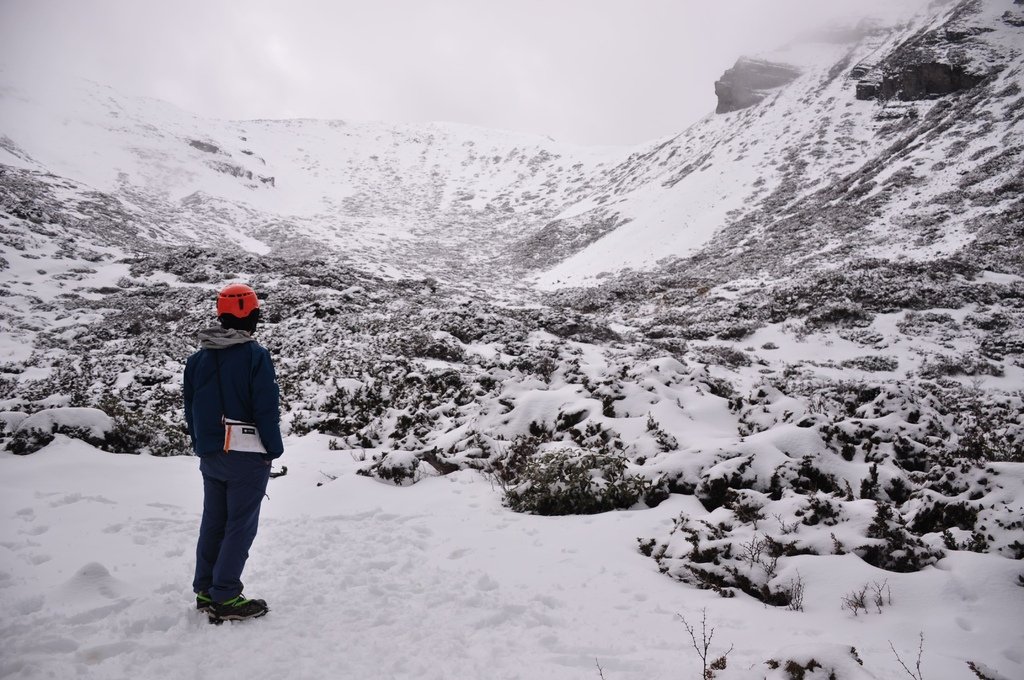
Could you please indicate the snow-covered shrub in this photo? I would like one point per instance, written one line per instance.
(818, 661)
(427, 346)
(577, 482)
(997, 345)
(581, 330)
(666, 442)
(141, 430)
(872, 363)
(737, 332)
(9, 422)
(723, 355)
(838, 314)
(718, 483)
(398, 467)
(507, 468)
(720, 556)
(894, 547)
(37, 430)
(968, 363)
(941, 326)
(540, 361)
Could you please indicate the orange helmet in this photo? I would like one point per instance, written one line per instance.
(237, 300)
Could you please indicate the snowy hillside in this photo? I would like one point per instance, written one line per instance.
(789, 396)
(915, 175)
(438, 198)
(822, 169)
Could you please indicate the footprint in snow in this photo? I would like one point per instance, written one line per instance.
(92, 581)
(98, 613)
(69, 499)
(38, 558)
(486, 583)
(548, 601)
(29, 605)
(36, 530)
(94, 655)
(56, 645)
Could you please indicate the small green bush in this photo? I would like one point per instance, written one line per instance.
(575, 482)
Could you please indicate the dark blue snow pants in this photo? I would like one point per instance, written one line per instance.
(233, 484)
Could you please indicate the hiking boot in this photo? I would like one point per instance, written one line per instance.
(237, 609)
(203, 601)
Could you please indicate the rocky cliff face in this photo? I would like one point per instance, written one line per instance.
(749, 81)
(957, 55)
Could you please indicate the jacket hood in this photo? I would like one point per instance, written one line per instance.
(222, 338)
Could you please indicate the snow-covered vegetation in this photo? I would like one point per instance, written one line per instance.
(808, 418)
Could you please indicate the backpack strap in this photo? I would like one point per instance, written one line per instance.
(220, 388)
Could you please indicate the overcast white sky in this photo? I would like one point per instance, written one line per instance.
(582, 71)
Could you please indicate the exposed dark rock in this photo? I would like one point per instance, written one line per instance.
(958, 34)
(204, 146)
(233, 170)
(7, 144)
(745, 84)
(860, 70)
(867, 90)
(951, 58)
(922, 81)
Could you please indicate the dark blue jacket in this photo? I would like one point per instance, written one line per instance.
(248, 385)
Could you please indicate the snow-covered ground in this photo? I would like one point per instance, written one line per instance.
(437, 580)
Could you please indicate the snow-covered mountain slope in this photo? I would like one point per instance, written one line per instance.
(814, 174)
(434, 196)
(808, 159)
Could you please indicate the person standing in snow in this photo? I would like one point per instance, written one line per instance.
(233, 415)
